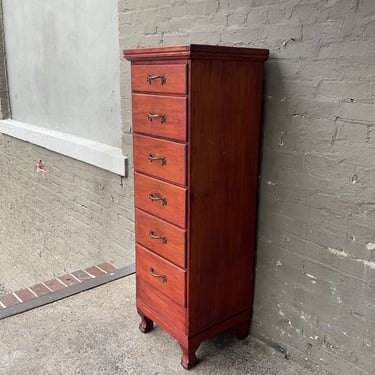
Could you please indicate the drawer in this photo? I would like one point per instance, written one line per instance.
(161, 199)
(159, 236)
(161, 274)
(163, 159)
(159, 78)
(160, 308)
(162, 116)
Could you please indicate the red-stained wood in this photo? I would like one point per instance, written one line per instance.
(223, 185)
(189, 359)
(163, 238)
(160, 158)
(146, 325)
(173, 108)
(221, 124)
(153, 304)
(161, 274)
(193, 51)
(159, 198)
(167, 79)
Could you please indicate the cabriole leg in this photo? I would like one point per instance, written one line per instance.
(146, 324)
(189, 359)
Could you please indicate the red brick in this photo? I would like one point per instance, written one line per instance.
(107, 267)
(54, 284)
(40, 290)
(9, 300)
(81, 275)
(68, 280)
(95, 271)
(25, 295)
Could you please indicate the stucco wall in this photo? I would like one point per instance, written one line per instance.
(63, 66)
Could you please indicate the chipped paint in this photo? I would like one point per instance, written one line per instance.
(338, 252)
(366, 263)
(370, 246)
(312, 277)
(343, 254)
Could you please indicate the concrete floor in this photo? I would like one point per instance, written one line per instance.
(3, 290)
(96, 332)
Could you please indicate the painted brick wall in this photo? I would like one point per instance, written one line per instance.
(316, 243)
(315, 295)
(77, 217)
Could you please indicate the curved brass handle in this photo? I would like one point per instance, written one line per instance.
(156, 237)
(151, 116)
(163, 78)
(163, 277)
(157, 197)
(163, 159)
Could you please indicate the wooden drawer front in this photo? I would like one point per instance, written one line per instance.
(161, 199)
(159, 158)
(159, 236)
(171, 122)
(161, 274)
(160, 308)
(159, 78)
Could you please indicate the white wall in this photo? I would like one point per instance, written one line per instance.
(63, 66)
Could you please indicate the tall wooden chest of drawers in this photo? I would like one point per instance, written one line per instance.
(196, 123)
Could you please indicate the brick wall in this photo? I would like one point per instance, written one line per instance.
(316, 232)
(77, 217)
(316, 242)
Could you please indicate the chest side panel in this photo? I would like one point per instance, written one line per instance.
(224, 133)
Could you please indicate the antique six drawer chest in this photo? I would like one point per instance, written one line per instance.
(196, 124)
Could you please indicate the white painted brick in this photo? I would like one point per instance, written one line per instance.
(323, 69)
(293, 49)
(282, 32)
(199, 8)
(352, 132)
(359, 111)
(344, 49)
(324, 30)
(344, 89)
(367, 7)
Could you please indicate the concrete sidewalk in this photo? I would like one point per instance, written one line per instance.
(96, 332)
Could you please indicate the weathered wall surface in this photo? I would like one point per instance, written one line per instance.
(315, 289)
(77, 217)
(4, 97)
(316, 244)
(63, 66)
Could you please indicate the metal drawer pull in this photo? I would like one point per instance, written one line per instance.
(163, 78)
(163, 159)
(155, 237)
(157, 197)
(163, 277)
(151, 116)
